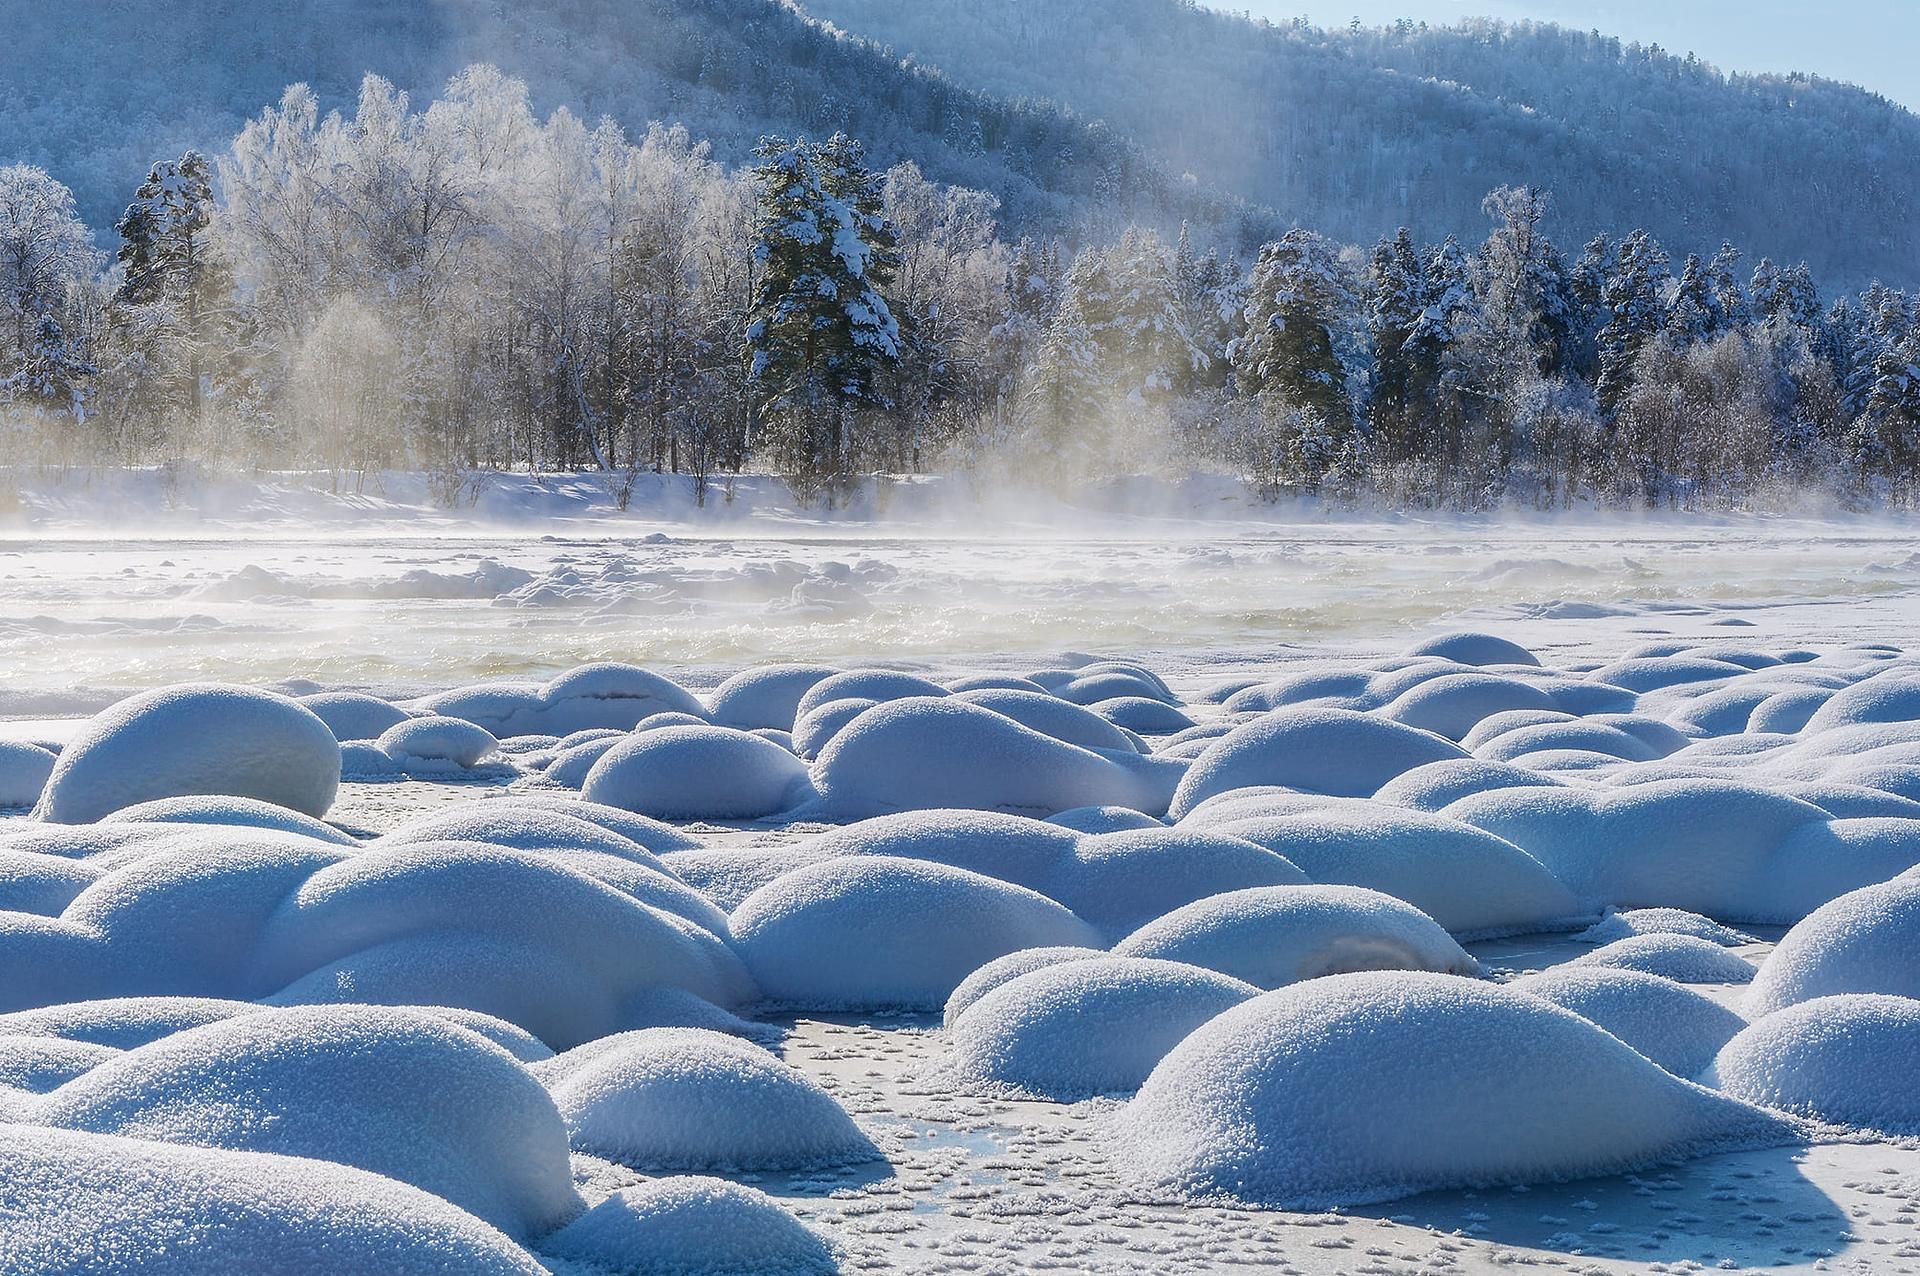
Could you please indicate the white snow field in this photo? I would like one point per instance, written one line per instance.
(790, 898)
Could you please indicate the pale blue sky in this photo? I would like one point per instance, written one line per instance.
(1875, 43)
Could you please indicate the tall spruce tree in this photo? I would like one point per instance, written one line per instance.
(821, 330)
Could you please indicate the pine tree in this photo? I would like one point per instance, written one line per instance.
(1398, 303)
(1891, 423)
(1632, 299)
(1733, 310)
(821, 331)
(1691, 314)
(1290, 358)
(168, 264)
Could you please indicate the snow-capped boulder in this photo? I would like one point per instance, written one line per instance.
(397, 1092)
(1070, 1030)
(1661, 921)
(437, 744)
(649, 834)
(691, 1226)
(1684, 959)
(866, 931)
(817, 726)
(79, 1202)
(1436, 785)
(767, 696)
(1144, 714)
(1452, 704)
(1117, 882)
(1013, 848)
(197, 738)
(996, 972)
(353, 715)
(1278, 935)
(1368, 1087)
(1864, 941)
(698, 773)
(1466, 879)
(918, 753)
(1050, 715)
(24, 769)
(1332, 751)
(878, 685)
(1852, 1059)
(229, 812)
(689, 1099)
(1475, 649)
(1671, 1024)
(1104, 819)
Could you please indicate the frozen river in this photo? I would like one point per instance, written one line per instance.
(83, 615)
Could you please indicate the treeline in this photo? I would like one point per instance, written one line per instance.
(466, 287)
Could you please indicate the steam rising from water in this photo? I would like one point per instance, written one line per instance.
(434, 611)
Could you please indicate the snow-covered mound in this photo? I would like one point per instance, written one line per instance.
(638, 829)
(24, 769)
(196, 738)
(1661, 921)
(1027, 852)
(1103, 819)
(1277, 935)
(607, 695)
(1671, 1024)
(767, 696)
(917, 753)
(1470, 881)
(436, 744)
(229, 812)
(1735, 852)
(691, 1099)
(398, 1092)
(878, 685)
(1073, 1029)
(1120, 881)
(690, 1226)
(1852, 1059)
(867, 931)
(697, 773)
(1685, 959)
(1864, 941)
(513, 934)
(1452, 704)
(1050, 715)
(353, 715)
(1367, 1087)
(815, 728)
(1332, 751)
(1470, 648)
(97, 1203)
(1436, 785)
(996, 972)
(1144, 714)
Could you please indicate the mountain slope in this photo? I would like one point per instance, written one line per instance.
(1356, 132)
(95, 92)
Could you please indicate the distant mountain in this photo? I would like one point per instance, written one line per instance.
(96, 91)
(1354, 132)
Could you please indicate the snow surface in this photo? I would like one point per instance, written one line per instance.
(1367, 1087)
(1851, 1059)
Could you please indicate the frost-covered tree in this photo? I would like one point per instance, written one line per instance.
(1633, 300)
(46, 252)
(822, 333)
(171, 271)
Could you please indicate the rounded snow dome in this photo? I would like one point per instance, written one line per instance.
(1864, 941)
(399, 1092)
(1367, 1087)
(874, 930)
(693, 1099)
(24, 769)
(95, 1194)
(768, 696)
(1120, 881)
(1074, 1029)
(1671, 1024)
(229, 812)
(437, 742)
(353, 715)
(990, 976)
(1852, 1059)
(1469, 648)
(1685, 959)
(688, 1226)
(1278, 935)
(1337, 752)
(697, 773)
(198, 738)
